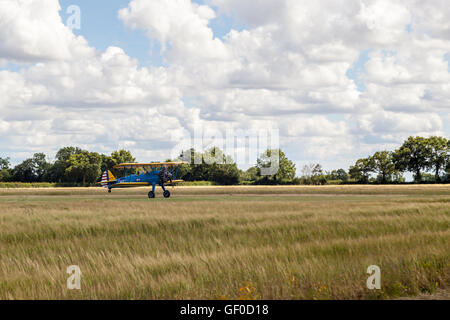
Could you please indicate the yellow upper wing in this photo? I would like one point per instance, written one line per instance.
(151, 164)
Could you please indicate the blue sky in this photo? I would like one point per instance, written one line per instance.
(358, 69)
(102, 28)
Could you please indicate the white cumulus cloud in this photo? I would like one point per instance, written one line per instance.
(288, 66)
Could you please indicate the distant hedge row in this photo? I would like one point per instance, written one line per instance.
(16, 185)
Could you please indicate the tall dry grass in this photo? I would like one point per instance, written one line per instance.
(210, 242)
(413, 189)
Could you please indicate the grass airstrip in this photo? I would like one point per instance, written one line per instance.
(246, 242)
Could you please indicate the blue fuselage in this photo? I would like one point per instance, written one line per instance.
(150, 178)
(143, 178)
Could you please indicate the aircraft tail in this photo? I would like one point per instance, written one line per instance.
(107, 177)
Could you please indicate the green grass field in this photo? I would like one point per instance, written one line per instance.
(225, 242)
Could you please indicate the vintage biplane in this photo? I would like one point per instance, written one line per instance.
(143, 174)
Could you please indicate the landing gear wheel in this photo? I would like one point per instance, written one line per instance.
(109, 190)
(166, 194)
(151, 194)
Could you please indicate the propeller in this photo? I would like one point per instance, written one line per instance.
(165, 176)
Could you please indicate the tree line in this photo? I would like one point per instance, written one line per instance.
(72, 166)
(75, 166)
(78, 167)
(417, 155)
(215, 166)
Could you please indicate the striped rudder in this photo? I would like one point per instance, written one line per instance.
(104, 181)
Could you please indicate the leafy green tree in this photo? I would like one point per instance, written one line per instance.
(4, 163)
(211, 165)
(251, 174)
(312, 173)
(286, 168)
(199, 172)
(122, 156)
(447, 173)
(116, 157)
(24, 172)
(414, 156)
(361, 170)
(5, 175)
(106, 163)
(318, 177)
(185, 172)
(428, 177)
(34, 169)
(5, 170)
(41, 167)
(224, 174)
(84, 167)
(194, 169)
(383, 164)
(439, 155)
(57, 172)
(339, 174)
(64, 153)
(219, 167)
